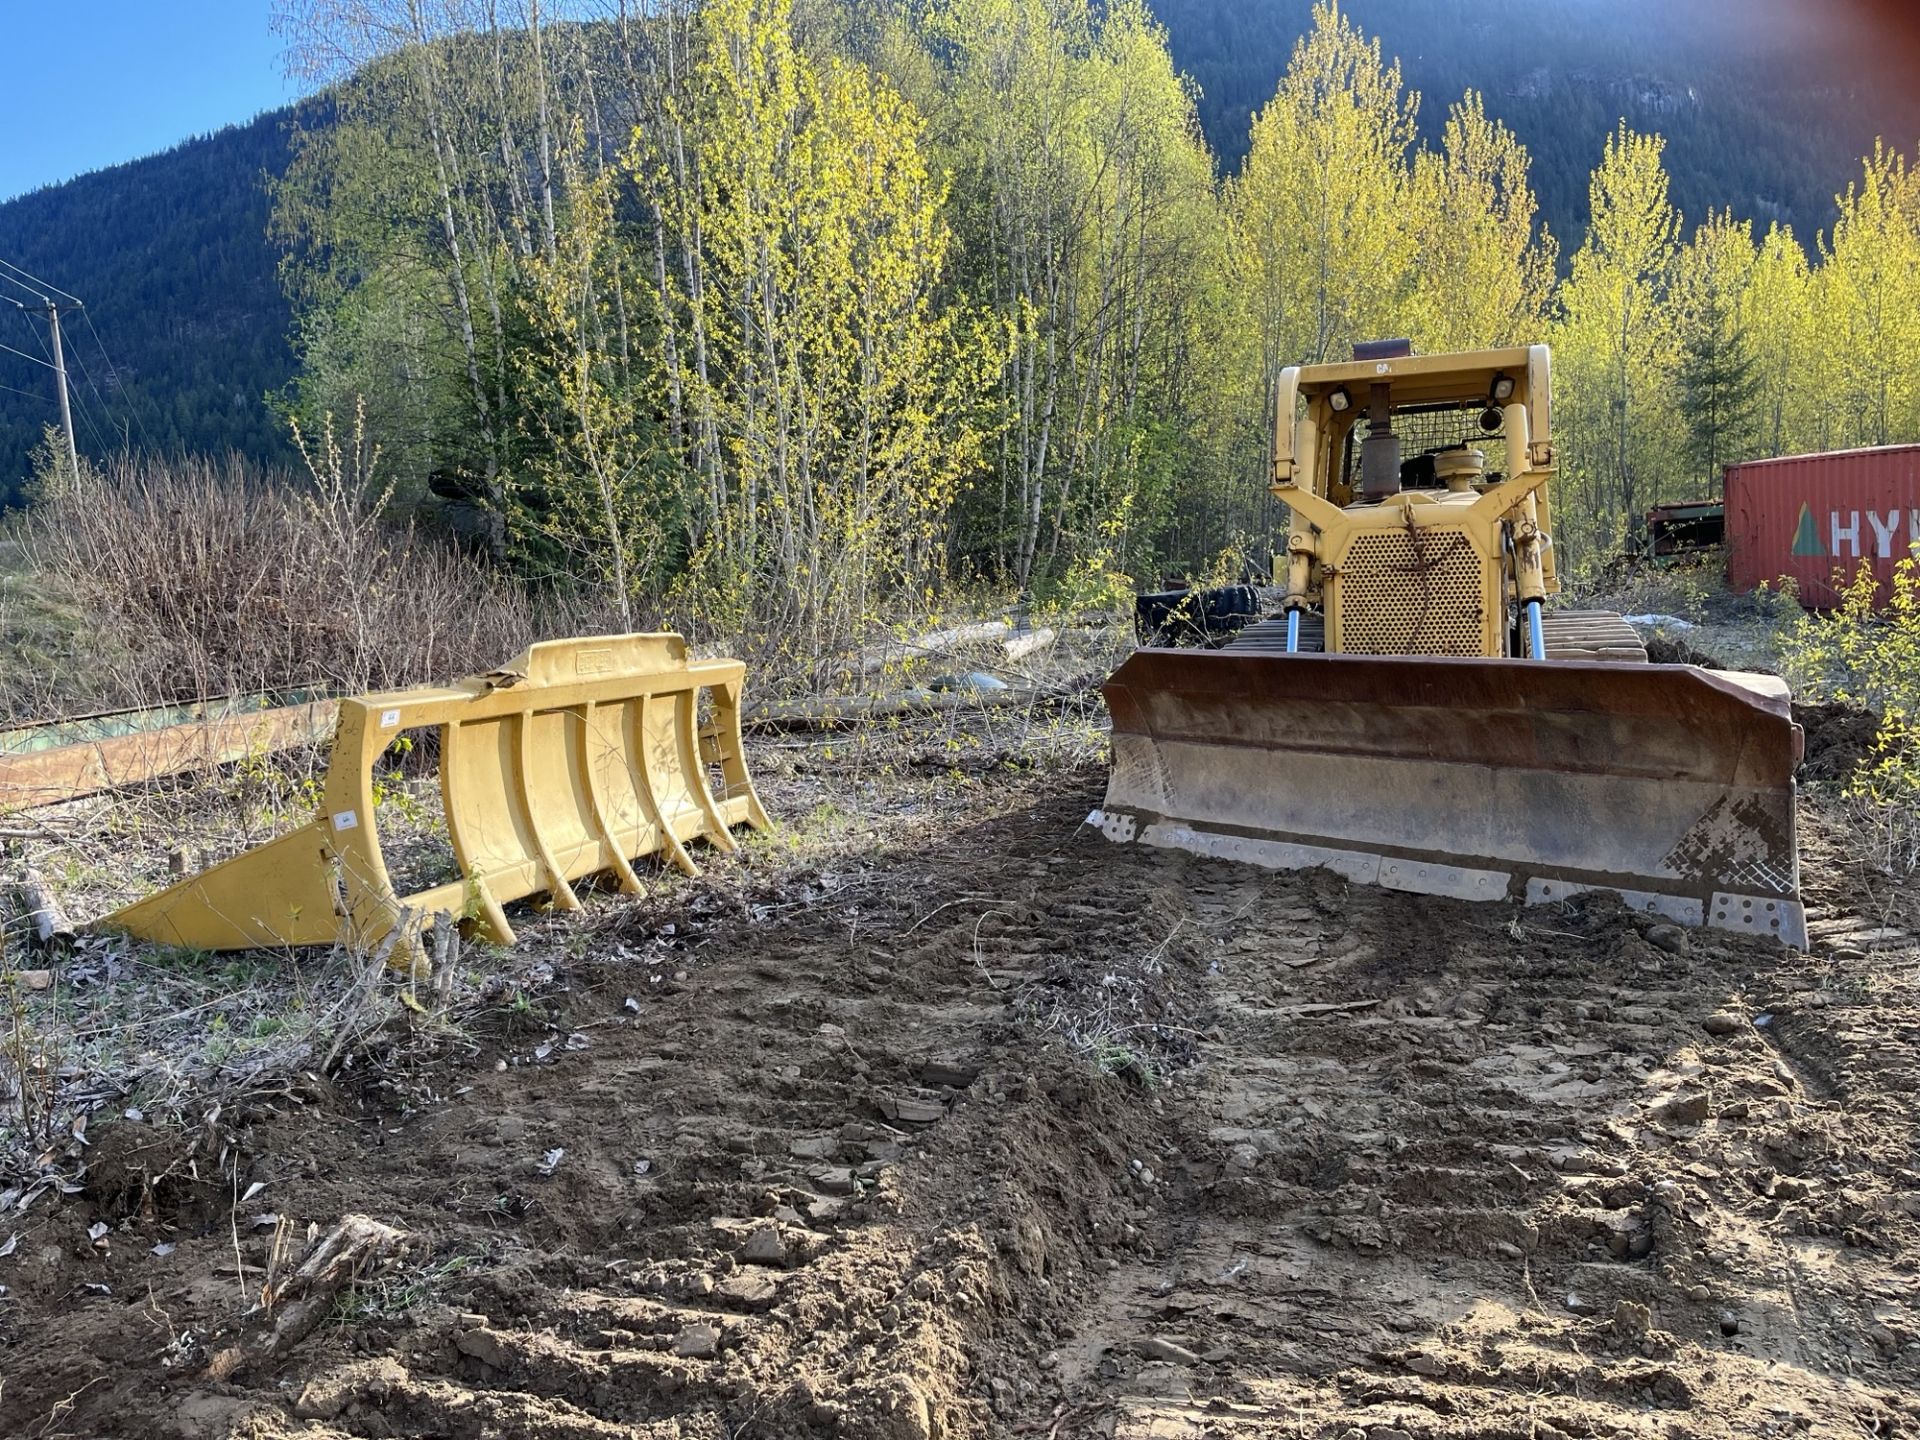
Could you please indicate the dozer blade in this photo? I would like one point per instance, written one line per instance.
(1481, 779)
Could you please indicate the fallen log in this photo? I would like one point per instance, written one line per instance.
(1023, 643)
(936, 642)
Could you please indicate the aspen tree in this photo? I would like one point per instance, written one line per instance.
(1087, 202)
(1869, 302)
(843, 394)
(1616, 352)
(1484, 268)
(1789, 361)
(1321, 222)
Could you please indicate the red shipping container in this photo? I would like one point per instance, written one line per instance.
(1819, 518)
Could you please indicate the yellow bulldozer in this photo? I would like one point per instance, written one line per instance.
(1414, 716)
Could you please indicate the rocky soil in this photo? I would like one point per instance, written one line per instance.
(986, 1127)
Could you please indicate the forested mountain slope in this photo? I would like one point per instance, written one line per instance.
(1767, 105)
(170, 254)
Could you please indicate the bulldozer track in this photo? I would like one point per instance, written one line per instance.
(1592, 635)
(1571, 635)
(1269, 636)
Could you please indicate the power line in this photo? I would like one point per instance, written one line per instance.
(18, 278)
(68, 398)
(8, 279)
(105, 409)
(9, 265)
(15, 390)
(113, 373)
(78, 400)
(55, 361)
(112, 370)
(25, 356)
(80, 404)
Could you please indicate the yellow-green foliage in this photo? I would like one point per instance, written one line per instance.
(1869, 303)
(1616, 347)
(1343, 232)
(50, 473)
(1827, 342)
(1321, 216)
(1484, 268)
(1086, 197)
(1871, 658)
(834, 399)
(589, 495)
(743, 322)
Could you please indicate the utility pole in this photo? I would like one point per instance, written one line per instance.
(38, 289)
(66, 408)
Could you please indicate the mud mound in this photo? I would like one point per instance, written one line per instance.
(1839, 739)
(1664, 647)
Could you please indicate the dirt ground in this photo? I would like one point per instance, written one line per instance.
(976, 1125)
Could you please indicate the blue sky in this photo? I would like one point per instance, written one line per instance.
(87, 83)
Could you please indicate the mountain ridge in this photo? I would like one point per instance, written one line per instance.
(1746, 93)
(172, 256)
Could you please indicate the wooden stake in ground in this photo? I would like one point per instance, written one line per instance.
(349, 1251)
(51, 928)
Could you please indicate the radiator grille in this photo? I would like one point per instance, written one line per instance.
(1417, 594)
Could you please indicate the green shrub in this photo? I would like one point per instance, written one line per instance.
(1869, 656)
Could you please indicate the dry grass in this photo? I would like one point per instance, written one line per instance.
(201, 579)
(173, 1034)
(1739, 632)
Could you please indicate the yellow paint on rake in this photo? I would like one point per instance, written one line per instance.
(576, 759)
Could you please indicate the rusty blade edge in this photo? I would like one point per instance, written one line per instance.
(1672, 721)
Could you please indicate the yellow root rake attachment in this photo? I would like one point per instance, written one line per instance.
(577, 759)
